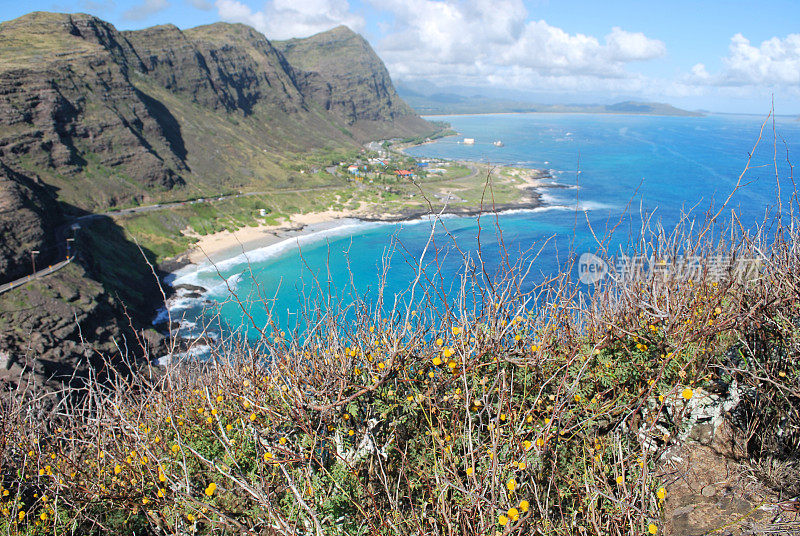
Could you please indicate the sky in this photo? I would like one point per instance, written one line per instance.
(730, 56)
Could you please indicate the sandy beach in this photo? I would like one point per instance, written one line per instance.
(226, 244)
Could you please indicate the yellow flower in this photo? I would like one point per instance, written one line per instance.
(211, 489)
(661, 493)
(511, 485)
(162, 492)
(524, 506)
(21, 515)
(437, 360)
(620, 479)
(267, 456)
(117, 469)
(687, 394)
(513, 514)
(503, 520)
(527, 445)
(175, 448)
(145, 500)
(470, 470)
(351, 432)
(439, 341)
(252, 416)
(190, 517)
(652, 529)
(282, 441)
(456, 330)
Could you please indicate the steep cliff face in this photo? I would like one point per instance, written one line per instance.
(339, 71)
(28, 216)
(111, 117)
(71, 115)
(91, 118)
(228, 67)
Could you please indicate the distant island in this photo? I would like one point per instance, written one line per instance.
(453, 103)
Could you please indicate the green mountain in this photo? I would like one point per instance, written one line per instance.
(339, 72)
(111, 117)
(438, 103)
(93, 118)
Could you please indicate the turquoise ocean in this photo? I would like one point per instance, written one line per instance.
(663, 166)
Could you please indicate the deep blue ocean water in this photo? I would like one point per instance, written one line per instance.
(659, 165)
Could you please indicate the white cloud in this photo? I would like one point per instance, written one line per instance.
(282, 19)
(776, 62)
(632, 46)
(484, 40)
(145, 9)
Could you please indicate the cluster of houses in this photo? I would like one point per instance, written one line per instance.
(379, 167)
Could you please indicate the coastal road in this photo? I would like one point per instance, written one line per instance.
(62, 231)
(38, 274)
(212, 199)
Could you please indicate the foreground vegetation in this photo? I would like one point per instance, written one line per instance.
(502, 411)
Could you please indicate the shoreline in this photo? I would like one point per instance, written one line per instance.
(224, 245)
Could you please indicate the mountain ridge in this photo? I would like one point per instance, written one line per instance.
(95, 118)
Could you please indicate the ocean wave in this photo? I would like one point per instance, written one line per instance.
(193, 274)
(201, 350)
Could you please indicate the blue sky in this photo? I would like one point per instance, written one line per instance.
(720, 55)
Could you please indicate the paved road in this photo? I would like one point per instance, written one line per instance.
(215, 199)
(62, 231)
(39, 273)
